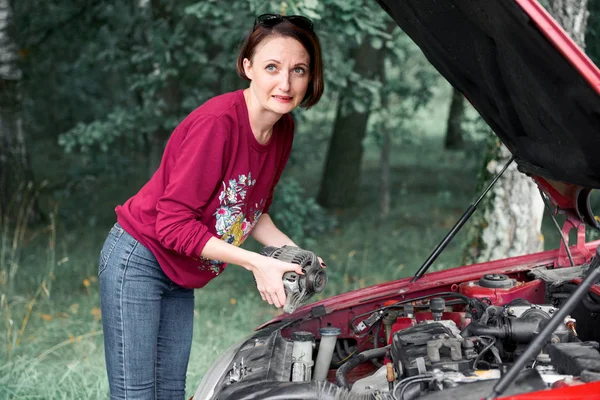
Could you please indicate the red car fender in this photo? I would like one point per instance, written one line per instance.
(587, 391)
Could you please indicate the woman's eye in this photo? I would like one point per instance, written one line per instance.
(271, 68)
(299, 70)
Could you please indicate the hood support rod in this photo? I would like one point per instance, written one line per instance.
(459, 224)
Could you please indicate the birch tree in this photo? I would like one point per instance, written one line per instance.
(572, 15)
(509, 221)
(15, 172)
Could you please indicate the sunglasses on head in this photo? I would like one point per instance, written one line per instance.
(270, 20)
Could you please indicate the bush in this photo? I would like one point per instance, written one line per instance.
(299, 216)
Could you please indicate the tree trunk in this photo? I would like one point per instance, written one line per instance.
(342, 168)
(509, 220)
(168, 98)
(572, 15)
(385, 197)
(16, 176)
(454, 134)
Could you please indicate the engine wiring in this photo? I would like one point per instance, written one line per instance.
(346, 358)
(491, 342)
(407, 382)
(477, 306)
(345, 353)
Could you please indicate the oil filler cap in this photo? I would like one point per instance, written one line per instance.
(496, 281)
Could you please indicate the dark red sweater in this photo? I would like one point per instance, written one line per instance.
(215, 179)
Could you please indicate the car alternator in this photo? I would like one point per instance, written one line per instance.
(299, 288)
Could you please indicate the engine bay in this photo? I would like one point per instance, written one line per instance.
(498, 329)
(455, 343)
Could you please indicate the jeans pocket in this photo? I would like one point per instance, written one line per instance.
(109, 245)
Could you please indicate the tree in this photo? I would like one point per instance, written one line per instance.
(509, 221)
(168, 97)
(408, 82)
(454, 134)
(362, 114)
(342, 167)
(170, 57)
(16, 177)
(572, 15)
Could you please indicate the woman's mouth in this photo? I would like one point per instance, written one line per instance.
(283, 99)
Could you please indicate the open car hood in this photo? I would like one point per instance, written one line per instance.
(527, 79)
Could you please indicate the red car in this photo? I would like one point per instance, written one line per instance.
(519, 328)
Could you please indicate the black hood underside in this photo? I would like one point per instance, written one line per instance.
(533, 98)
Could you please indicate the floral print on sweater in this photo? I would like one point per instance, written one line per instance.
(232, 224)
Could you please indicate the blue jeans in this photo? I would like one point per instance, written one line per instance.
(147, 321)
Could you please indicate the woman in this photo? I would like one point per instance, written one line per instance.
(213, 188)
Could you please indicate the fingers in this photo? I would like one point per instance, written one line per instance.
(269, 280)
(276, 298)
(321, 262)
(268, 298)
(264, 295)
(279, 298)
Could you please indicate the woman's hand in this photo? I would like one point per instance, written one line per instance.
(268, 273)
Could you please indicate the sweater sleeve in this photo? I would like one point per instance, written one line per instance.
(196, 174)
(287, 149)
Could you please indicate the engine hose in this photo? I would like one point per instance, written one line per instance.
(477, 329)
(405, 390)
(347, 348)
(590, 304)
(410, 391)
(342, 371)
(376, 363)
(520, 330)
(338, 350)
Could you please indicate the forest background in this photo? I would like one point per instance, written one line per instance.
(90, 91)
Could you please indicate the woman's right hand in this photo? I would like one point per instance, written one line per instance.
(268, 273)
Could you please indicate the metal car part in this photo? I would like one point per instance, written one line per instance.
(299, 288)
(530, 311)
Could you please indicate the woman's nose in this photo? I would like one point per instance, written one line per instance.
(284, 82)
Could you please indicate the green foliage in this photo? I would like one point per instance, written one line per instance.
(299, 216)
(190, 48)
(103, 133)
(123, 70)
(409, 86)
(154, 57)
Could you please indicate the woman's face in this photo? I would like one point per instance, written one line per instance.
(279, 72)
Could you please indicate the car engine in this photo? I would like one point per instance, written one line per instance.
(438, 349)
(455, 342)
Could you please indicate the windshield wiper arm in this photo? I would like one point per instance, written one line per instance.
(459, 224)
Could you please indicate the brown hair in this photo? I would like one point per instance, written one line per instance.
(307, 38)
